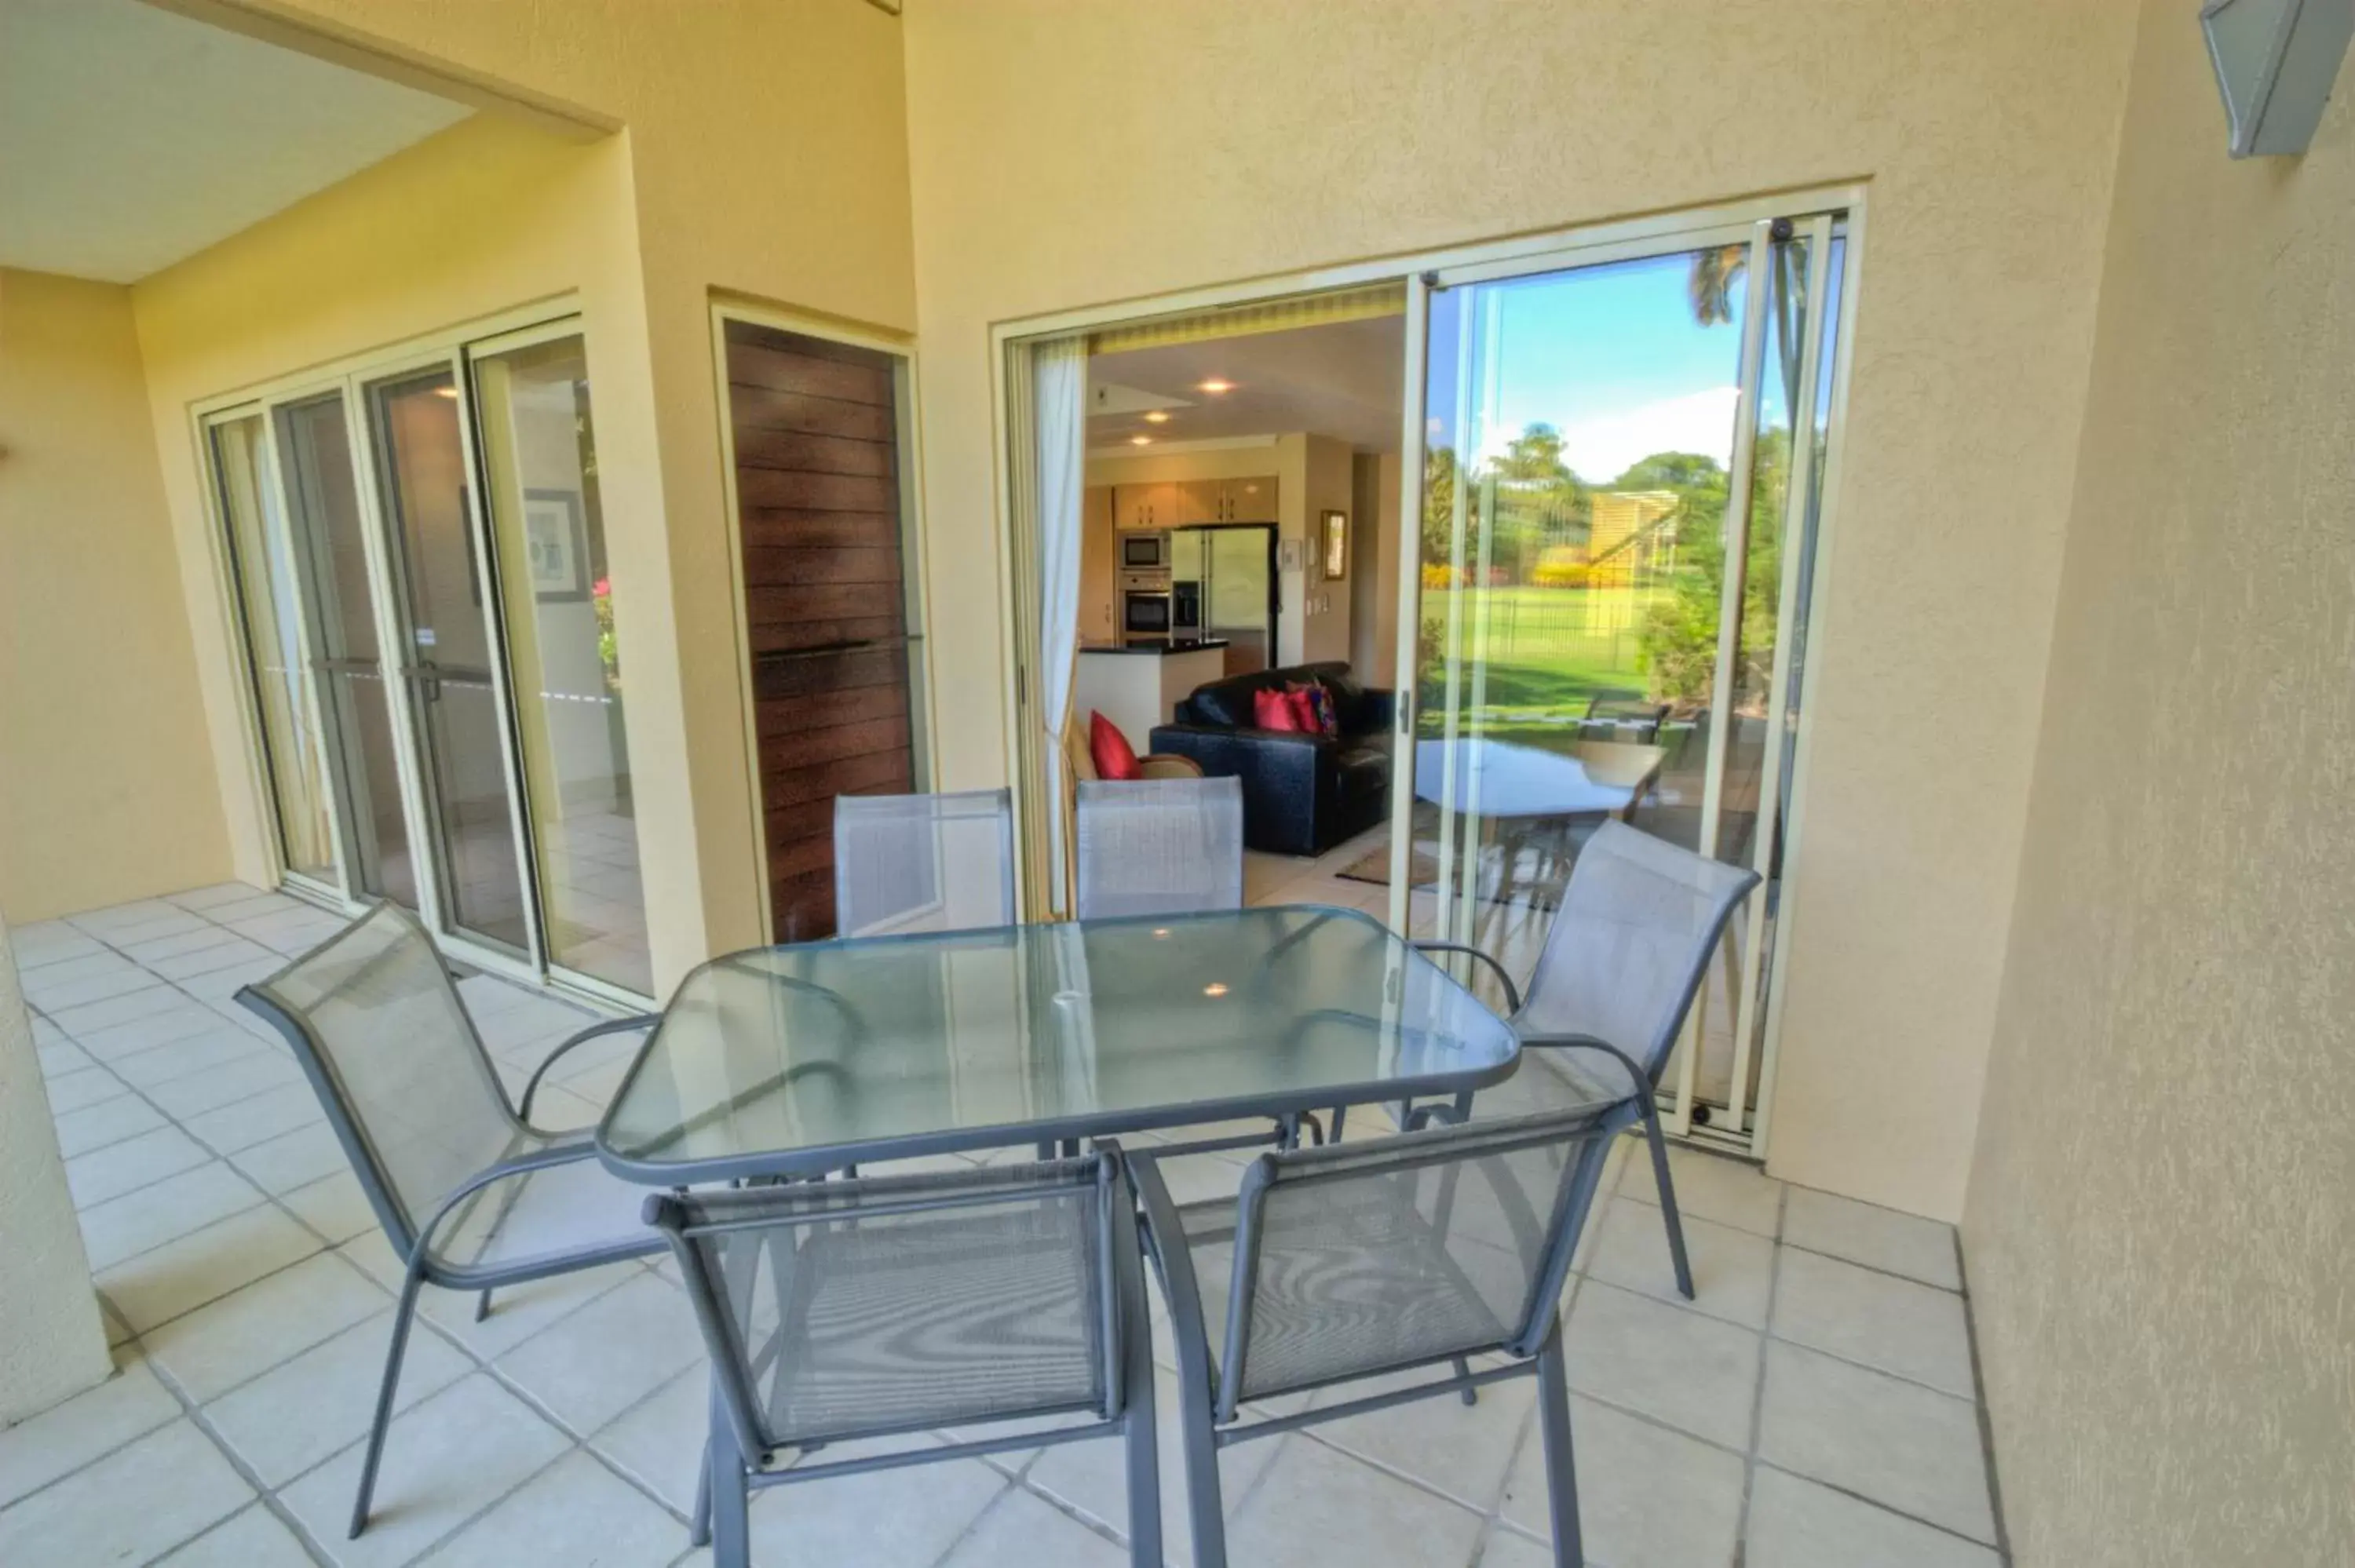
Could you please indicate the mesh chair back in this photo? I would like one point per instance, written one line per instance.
(396, 1062)
(1160, 846)
(923, 862)
(1366, 1257)
(1630, 943)
(882, 1304)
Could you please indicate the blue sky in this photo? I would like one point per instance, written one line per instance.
(1611, 356)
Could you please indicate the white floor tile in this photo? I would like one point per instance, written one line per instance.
(1692, 1372)
(228, 1129)
(1795, 1523)
(887, 1519)
(1914, 1449)
(212, 959)
(134, 1163)
(1020, 1532)
(577, 1512)
(293, 1159)
(1711, 1187)
(254, 1072)
(76, 1091)
(212, 1044)
(204, 1266)
(445, 1460)
(659, 1441)
(1732, 1270)
(245, 1333)
(156, 948)
(1507, 1550)
(1461, 1450)
(91, 1021)
(36, 1451)
(254, 1539)
(129, 1225)
(303, 1410)
(335, 1207)
(1899, 1244)
(217, 894)
(103, 1125)
(1914, 1331)
(590, 1366)
(41, 946)
(1316, 1507)
(1647, 1496)
(134, 1505)
(518, 1311)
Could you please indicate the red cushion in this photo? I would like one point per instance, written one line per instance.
(1114, 758)
(1307, 709)
(1274, 710)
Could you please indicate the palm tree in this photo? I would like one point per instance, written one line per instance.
(1718, 270)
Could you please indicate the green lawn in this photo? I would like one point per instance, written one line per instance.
(1549, 650)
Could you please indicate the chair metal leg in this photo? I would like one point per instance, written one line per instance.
(699, 1529)
(483, 1305)
(1464, 1369)
(1653, 1135)
(731, 1500)
(1140, 1437)
(384, 1394)
(1340, 1117)
(1561, 1466)
(1202, 1503)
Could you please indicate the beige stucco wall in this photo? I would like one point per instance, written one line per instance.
(1064, 154)
(763, 157)
(52, 1343)
(106, 789)
(2161, 1225)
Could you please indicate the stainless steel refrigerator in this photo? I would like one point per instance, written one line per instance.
(1223, 578)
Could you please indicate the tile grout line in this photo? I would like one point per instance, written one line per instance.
(1986, 1415)
(1758, 1389)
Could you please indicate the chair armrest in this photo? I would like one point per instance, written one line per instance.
(1512, 992)
(595, 1030)
(1639, 1081)
(1165, 1243)
(1167, 765)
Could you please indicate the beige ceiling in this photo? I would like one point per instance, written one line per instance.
(130, 137)
(1340, 380)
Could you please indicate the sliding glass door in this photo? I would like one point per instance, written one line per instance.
(400, 564)
(1614, 526)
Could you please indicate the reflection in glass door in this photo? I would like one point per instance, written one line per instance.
(270, 615)
(1613, 536)
(323, 502)
(444, 647)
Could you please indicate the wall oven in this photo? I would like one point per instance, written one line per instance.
(1145, 605)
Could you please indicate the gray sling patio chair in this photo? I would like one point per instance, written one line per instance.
(893, 1306)
(469, 1193)
(1159, 846)
(923, 862)
(1420, 1250)
(1628, 949)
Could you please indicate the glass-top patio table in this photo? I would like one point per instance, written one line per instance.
(800, 1060)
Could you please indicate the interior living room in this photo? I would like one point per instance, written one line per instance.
(565, 993)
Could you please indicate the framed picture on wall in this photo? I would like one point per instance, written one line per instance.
(1336, 545)
(555, 546)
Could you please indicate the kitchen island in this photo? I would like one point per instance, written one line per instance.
(1137, 686)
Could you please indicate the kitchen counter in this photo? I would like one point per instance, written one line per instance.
(1140, 685)
(1163, 650)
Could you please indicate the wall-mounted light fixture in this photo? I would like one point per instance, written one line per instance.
(2276, 60)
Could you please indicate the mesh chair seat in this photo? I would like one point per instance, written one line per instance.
(559, 1210)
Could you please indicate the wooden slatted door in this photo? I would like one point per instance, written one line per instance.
(816, 431)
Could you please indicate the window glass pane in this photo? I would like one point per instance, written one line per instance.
(262, 560)
(446, 660)
(565, 667)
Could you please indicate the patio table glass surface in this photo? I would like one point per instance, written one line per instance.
(801, 1059)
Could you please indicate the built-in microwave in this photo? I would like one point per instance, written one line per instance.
(1145, 551)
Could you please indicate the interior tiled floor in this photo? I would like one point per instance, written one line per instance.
(1814, 1408)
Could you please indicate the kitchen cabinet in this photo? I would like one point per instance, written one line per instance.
(1146, 505)
(1099, 566)
(1200, 501)
(1247, 500)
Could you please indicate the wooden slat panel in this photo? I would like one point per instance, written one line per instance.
(787, 528)
(813, 454)
(803, 820)
(786, 637)
(845, 740)
(826, 602)
(798, 568)
(804, 906)
(829, 673)
(782, 370)
(756, 409)
(815, 491)
(822, 710)
(876, 773)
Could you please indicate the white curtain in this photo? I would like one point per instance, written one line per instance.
(1059, 417)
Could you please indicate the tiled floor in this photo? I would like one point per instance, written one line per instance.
(1814, 1408)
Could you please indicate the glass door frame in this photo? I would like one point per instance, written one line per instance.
(351, 379)
(1745, 1121)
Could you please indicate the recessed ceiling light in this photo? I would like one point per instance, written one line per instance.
(1140, 440)
(1216, 988)
(446, 391)
(1215, 385)
(1157, 417)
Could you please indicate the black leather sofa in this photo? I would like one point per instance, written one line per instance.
(1302, 793)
